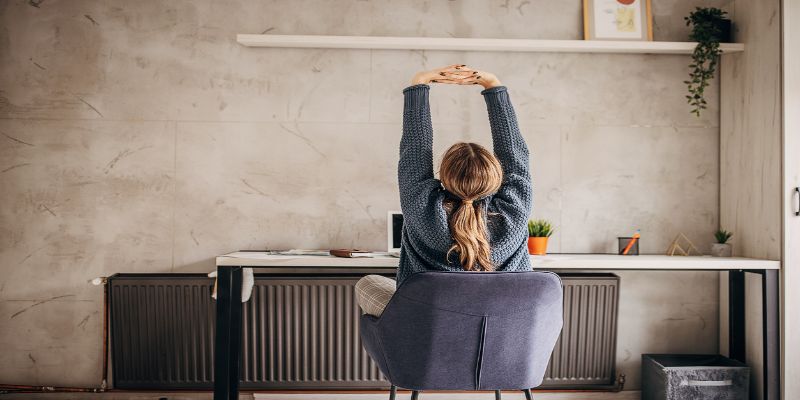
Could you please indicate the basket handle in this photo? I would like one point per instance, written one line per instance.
(691, 382)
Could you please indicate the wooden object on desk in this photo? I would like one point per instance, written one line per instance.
(685, 250)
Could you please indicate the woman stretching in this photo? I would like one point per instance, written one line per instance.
(474, 218)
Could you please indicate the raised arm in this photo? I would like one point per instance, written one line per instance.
(416, 146)
(509, 145)
(515, 195)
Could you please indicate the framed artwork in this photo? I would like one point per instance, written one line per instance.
(617, 20)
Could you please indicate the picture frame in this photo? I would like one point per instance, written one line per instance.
(617, 20)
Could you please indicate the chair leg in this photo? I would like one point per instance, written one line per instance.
(528, 394)
(497, 395)
(393, 392)
(414, 394)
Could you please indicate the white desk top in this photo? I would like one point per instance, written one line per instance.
(550, 262)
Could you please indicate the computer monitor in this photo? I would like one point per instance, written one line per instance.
(394, 227)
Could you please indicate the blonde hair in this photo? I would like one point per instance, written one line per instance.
(470, 172)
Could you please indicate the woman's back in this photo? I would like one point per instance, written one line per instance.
(427, 237)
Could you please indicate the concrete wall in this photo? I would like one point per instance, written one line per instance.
(139, 137)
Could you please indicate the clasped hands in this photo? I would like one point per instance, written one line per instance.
(456, 74)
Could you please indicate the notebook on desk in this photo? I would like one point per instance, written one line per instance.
(352, 253)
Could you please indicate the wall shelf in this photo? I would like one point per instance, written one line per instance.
(470, 44)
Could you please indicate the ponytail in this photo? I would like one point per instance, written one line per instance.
(470, 172)
(468, 227)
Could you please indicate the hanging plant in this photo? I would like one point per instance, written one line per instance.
(709, 27)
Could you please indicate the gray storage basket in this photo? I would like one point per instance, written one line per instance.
(693, 376)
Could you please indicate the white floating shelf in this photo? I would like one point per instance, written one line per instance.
(469, 44)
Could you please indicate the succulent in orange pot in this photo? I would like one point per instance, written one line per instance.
(538, 232)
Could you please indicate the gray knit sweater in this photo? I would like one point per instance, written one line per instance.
(426, 235)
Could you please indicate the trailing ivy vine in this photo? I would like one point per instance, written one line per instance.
(707, 32)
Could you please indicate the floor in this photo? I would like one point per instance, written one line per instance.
(627, 395)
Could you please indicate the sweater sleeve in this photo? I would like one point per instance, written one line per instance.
(513, 199)
(416, 146)
(424, 218)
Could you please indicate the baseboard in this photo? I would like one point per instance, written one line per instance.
(404, 395)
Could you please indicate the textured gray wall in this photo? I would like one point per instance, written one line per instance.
(139, 137)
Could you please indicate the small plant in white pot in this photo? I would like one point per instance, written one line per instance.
(722, 248)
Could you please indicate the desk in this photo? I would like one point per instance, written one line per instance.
(228, 346)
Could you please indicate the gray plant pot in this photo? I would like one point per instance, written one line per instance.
(721, 250)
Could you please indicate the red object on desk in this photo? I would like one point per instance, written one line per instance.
(350, 253)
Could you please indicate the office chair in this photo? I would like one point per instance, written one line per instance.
(467, 331)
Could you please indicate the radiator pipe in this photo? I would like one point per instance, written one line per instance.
(104, 382)
(7, 389)
(620, 383)
(103, 280)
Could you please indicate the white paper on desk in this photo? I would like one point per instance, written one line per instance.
(251, 254)
(362, 255)
(305, 252)
(257, 255)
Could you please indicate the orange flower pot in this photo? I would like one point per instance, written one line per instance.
(537, 245)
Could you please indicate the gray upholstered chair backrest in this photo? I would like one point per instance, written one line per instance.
(467, 330)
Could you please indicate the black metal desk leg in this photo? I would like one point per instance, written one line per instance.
(736, 313)
(772, 362)
(228, 340)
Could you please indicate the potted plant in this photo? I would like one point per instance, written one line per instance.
(709, 28)
(538, 232)
(722, 248)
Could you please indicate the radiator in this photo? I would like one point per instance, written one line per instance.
(302, 332)
(161, 331)
(585, 353)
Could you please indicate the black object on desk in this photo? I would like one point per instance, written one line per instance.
(623, 244)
